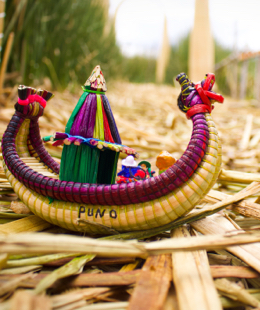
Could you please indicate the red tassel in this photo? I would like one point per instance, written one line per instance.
(107, 132)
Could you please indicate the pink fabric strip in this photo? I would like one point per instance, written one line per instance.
(31, 99)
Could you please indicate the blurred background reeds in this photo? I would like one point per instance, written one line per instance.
(62, 41)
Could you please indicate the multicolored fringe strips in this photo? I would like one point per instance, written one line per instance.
(90, 129)
(61, 138)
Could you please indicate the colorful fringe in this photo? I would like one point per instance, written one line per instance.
(91, 118)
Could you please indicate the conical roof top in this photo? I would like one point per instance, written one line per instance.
(96, 81)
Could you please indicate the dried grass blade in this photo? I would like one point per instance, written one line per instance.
(8, 215)
(20, 270)
(233, 271)
(106, 279)
(96, 261)
(39, 260)
(77, 295)
(216, 259)
(191, 270)
(45, 243)
(122, 305)
(246, 207)
(3, 260)
(250, 190)
(85, 279)
(228, 303)
(247, 132)
(238, 177)
(218, 241)
(74, 305)
(153, 285)
(73, 267)
(171, 302)
(24, 300)
(217, 224)
(30, 223)
(235, 292)
(255, 282)
(131, 266)
(13, 284)
(48, 244)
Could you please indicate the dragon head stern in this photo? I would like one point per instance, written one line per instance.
(31, 102)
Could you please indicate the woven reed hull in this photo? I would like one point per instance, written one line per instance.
(138, 216)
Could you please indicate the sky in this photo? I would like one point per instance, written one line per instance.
(139, 23)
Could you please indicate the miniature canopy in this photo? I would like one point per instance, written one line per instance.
(91, 138)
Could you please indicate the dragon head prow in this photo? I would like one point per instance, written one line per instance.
(198, 94)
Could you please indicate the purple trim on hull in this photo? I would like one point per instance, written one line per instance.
(36, 141)
(117, 194)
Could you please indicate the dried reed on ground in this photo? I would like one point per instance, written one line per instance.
(161, 270)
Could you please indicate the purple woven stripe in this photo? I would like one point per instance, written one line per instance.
(36, 141)
(75, 128)
(117, 194)
(85, 120)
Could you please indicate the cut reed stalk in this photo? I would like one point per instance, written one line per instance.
(10, 286)
(97, 261)
(233, 272)
(83, 280)
(218, 224)
(153, 284)
(30, 223)
(131, 266)
(77, 295)
(246, 207)
(20, 270)
(49, 244)
(40, 260)
(73, 267)
(191, 270)
(238, 177)
(255, 282)
(26, 300)
(122, 305)
(3, 260)
(235, 292)
(215, 259)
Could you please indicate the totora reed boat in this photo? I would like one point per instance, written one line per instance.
(96, 208)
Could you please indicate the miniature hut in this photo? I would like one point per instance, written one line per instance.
(91, 139)
(84, 159)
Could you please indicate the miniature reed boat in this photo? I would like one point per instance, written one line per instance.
(96, 208)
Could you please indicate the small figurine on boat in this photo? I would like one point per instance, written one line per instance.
(91, 140)
(144, 164)
(131, 172)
